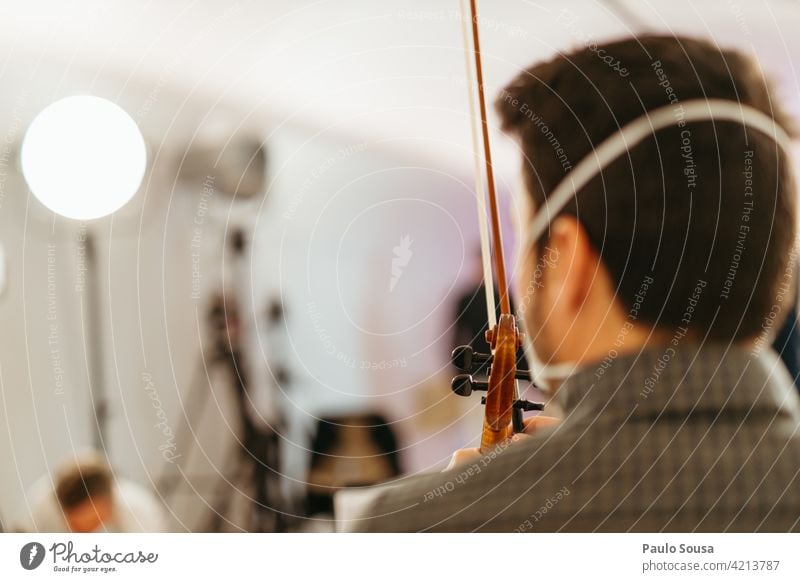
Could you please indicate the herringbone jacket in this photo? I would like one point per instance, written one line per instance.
(693, 438)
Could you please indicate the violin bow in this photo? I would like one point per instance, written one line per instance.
(503, 408)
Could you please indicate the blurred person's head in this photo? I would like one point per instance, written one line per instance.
(690, 230)
(84, 489)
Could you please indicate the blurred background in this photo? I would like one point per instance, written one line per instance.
(271, 316)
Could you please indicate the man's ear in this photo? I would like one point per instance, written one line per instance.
(575, 265)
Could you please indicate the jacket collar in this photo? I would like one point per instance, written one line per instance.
(688, 379)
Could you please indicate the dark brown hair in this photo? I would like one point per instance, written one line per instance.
(706, 209)
(86, 479)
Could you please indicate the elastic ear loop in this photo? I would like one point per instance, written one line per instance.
(622, 141)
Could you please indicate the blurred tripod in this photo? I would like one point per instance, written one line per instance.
(258, 458)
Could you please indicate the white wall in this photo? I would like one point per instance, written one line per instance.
(325, 240)
(324, 236)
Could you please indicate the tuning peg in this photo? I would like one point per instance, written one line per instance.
(527, 406)
(467, 359)
(463, 385)
(522, 375)
(522, 405)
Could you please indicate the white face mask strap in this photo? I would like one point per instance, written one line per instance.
(628, 136)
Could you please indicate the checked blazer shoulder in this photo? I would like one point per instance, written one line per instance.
(693, 438)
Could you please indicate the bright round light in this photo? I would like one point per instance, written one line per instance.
(83, 157)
